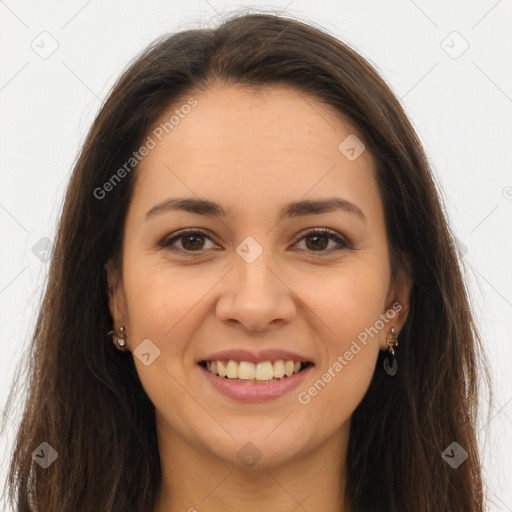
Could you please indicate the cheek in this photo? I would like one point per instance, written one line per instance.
(351, 306)
(160, 306)
(159, 299)
(166, 306)
(350, 303)
(332, 397)
(348, 365)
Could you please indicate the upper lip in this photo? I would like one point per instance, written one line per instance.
(260, 357)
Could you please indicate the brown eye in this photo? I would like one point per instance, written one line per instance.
(191, 241)
(317, 240)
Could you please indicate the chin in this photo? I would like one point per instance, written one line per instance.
(262, 450)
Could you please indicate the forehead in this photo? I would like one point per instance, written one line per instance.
(241, 146)
(244, 121)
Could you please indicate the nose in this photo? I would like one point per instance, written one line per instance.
(256, 295)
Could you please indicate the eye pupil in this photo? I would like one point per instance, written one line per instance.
(316, 237)
(188, 237)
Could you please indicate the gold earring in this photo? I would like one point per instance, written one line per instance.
(119, 339)
(390, 363)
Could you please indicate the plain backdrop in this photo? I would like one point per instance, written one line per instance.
(448, 62)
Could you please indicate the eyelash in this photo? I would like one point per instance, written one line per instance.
(332, 235)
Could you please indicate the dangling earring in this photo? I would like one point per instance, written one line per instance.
(119, 340)
(390, 363)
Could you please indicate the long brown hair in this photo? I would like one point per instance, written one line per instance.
(85, 399)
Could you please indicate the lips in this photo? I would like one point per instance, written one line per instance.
(264, 367)
(252, 390)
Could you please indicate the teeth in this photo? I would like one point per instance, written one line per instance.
(245, 370)
(264, 371)
(278, 369)
(232, 370)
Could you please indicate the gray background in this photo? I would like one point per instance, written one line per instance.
(459, 100)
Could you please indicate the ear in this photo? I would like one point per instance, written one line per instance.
(116, 297)
(397, 303)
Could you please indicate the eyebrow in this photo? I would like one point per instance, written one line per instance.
(293, 209)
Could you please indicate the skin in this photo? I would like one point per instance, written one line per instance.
(252, 152)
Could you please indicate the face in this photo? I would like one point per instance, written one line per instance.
(260, 284)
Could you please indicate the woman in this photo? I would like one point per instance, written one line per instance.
(254, 300)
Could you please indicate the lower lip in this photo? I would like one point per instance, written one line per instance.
(255, 392)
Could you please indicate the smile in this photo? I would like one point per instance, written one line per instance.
(252, 390)
(254, 373)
